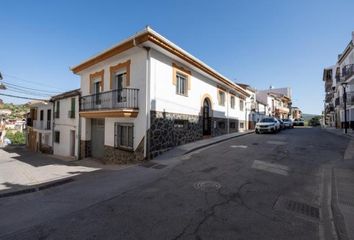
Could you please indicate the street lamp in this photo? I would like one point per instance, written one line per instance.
(344, 85)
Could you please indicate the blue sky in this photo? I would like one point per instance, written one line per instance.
(262, 43)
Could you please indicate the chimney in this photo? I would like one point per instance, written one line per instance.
(353, 37)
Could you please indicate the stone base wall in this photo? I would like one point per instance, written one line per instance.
(168, 130)
(220, 126)
(114, 155)
(85, 149)
(234, 125)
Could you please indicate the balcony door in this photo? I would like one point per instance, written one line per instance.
(120, 82)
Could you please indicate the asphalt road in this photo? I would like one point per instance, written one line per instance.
(265, 186)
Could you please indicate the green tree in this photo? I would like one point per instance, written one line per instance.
(16, 138)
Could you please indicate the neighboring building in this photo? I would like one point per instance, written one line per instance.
(66, 130)
(5, 112)
(278, 101)
(295, 113)
(336, 78)
(146, 95)
(330, 90)
(39, 134)
(255, 108)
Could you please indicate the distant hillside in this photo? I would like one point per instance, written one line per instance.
(17, 110)
(307, 116)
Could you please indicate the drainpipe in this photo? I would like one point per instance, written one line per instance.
(228, 102)
(147, 105)
(79, 130)
(147, 101)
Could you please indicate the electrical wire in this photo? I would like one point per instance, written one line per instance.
(25, 80)
(28, 98)
(27, 88)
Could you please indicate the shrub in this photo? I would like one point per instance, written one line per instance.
(16, 138)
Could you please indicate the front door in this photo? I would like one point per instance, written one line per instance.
(72, 143)
(206, 118)
(97, 138)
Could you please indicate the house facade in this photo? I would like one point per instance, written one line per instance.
(339, 79)
(278, 101)
(146, 95)
(39, 132)
(66, 122)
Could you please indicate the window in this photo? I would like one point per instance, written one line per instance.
(221, 98)
(181, 84)
(232, 125)
(57, 110)
(241, 125)
(73, 108)
(232, 102)
(41, 115)
(241, 105)
(57, 136)
(221, 125)
(124, 135)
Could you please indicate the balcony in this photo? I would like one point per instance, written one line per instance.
(116, 103)
(329, 97)
(347, 72)
(282, 109)
(42, 125)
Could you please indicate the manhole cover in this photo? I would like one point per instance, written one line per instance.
(207, 186)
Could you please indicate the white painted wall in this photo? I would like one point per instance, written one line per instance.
(64, 125)
(138, 57)
(40, 127)
(165, 98)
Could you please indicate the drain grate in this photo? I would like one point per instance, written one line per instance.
(207, 186)
(301, 208)
(254, 143)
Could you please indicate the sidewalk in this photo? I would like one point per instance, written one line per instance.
(193, 146)
(339, 131)
(343, 202)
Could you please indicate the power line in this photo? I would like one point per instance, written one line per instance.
(25, 80)
(27, 88)
(27, 93)
(28, 98)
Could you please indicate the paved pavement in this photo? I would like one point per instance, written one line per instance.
(343, 187)
(22, 170)
(253, 187)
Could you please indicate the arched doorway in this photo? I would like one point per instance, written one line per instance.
(206, 117)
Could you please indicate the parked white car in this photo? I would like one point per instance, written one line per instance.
(288, 123)
(269, 124)
(299, 122)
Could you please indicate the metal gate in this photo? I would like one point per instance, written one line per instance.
(97, 138)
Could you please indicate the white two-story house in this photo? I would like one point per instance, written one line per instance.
(146, 95)
(39, 136)
(66, 131)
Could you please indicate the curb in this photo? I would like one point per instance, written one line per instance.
(218, 141)
(37, 188)
(338, 218)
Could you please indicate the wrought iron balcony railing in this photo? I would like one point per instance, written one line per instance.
(347, 71)
(115, 99)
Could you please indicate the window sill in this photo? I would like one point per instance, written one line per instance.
(127, 149)
(183, 95)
